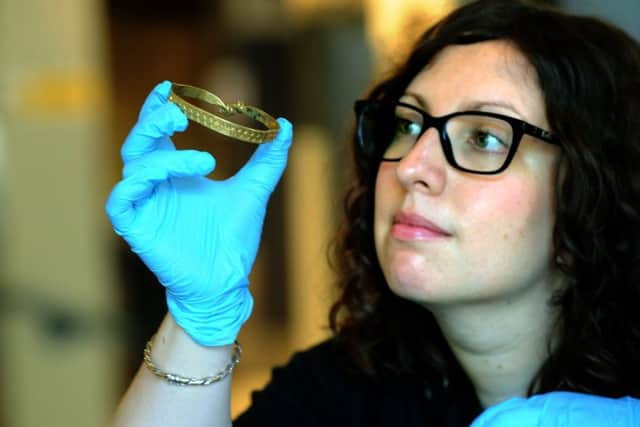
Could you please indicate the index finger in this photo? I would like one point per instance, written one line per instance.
(150, 132)
(156, 98)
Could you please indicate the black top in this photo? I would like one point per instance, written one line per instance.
(321, 387)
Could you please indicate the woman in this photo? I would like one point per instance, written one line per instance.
(489, 250)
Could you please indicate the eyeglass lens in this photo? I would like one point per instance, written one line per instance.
(479, 143)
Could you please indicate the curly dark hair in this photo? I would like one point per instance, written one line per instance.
(589, 73)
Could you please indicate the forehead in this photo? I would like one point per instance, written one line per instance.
(491, 72)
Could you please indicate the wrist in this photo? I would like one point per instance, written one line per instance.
(216, 322)
(174, 350)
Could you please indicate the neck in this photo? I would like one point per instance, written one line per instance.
(500, 345)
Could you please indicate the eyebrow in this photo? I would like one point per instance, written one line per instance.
(423, 102)
(480, 105)
(474, 105)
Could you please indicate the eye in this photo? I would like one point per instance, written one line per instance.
(407, 127)
(487, 141)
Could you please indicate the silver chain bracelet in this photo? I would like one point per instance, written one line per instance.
(177, 379)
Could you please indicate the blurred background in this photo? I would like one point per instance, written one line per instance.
(76, 305)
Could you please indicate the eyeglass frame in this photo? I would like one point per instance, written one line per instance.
(519, 128)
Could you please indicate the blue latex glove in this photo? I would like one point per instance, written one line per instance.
(200, 237)
(562, 409)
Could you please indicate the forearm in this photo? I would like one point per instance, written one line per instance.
(151, 400)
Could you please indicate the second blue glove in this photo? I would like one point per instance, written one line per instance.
(562, 409)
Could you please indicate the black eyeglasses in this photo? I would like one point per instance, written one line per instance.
(472, 141)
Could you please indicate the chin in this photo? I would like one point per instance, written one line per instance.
(431, 291)
(417, 290)
(414, 276)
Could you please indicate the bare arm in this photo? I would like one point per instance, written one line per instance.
(152, 401)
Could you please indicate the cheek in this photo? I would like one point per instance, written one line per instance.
(509, 228)
(509, 208)
(387, 195)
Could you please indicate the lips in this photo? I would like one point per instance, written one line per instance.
(411, 226)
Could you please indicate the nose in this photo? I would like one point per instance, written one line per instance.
(424, 166)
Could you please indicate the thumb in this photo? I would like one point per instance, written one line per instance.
(267, 163)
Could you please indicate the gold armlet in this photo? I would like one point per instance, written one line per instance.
(219, 124)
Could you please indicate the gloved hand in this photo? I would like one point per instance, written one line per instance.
(200, 237)
(562, 409)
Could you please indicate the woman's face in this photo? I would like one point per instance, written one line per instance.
(495, 231)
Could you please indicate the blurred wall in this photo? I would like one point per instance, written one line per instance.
(624, 13)
(57, 298)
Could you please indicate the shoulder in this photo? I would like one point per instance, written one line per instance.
(323, 368)
(321, 386)
(330, 355)
(316, 387)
